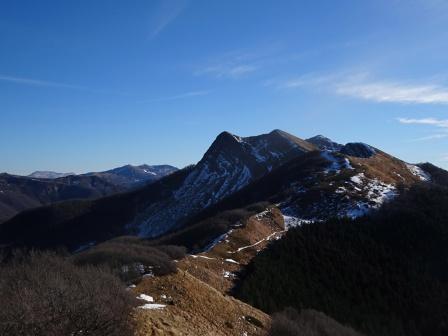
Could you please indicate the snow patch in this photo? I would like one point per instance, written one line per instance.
(152, 306)
(227, 274)
(232, 261)
(336, 163)
(358, 179)
(419, 172)
(194, 256)
(376, 193)
(291, 221)
(145, 297)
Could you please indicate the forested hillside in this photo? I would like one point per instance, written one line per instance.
(385, 274)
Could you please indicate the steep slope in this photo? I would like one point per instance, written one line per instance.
(319, 185)
(229, 164)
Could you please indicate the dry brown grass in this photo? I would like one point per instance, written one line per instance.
(211, 266)
(386, 168)
(196, 298)
(195, 308)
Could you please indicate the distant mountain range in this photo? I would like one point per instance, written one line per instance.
(18, 193)
(48, 174)
(308, 180)
(132, 176)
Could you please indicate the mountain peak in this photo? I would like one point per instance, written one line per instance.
(324, 143)
(278, 131)
(229, 136)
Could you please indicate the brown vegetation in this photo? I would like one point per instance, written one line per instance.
(45, 295)
(195, 308)
(131, 257)
(220, 265)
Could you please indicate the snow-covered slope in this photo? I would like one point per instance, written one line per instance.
(327, 183)
(350, 185)
(230, 163)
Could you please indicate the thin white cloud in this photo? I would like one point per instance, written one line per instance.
(166, 12)
(180, 96)
(441, 125)
(228, 70)
(425, 121)
(361, 86)
(43, 83)
(433, 137)
(314, 80)
(38, 82)
(395, 92)
(235, 64)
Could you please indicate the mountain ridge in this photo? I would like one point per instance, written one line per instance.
(19, 193)
(308, 182)
(45, 174)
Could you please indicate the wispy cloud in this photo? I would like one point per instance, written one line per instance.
(238, 63)
(425, 121)
(166, 12)
(395, 92)
(362, 86)
(180, 96)
(228, 70)
(38, 82)
(433, 137)
(440, 124)
(308, 80)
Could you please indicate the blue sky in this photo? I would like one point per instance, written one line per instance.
(93, 84)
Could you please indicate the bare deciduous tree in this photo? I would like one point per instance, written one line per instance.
(46, 295)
